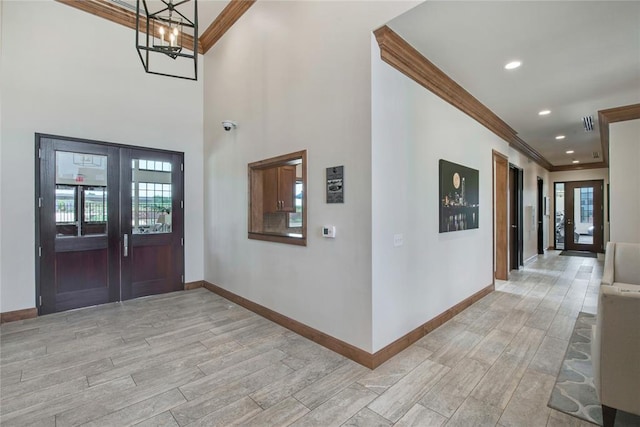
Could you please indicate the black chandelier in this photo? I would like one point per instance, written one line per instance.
(166, 31)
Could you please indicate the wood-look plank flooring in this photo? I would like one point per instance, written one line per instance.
(193, 358)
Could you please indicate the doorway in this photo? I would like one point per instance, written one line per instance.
(109, 225)
(515, 218)
(500, 215)
(583, 216)
(541, 213)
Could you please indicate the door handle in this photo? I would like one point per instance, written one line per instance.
(514, 226)
(126, 245)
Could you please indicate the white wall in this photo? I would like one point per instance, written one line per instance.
(295, 75)
(624, 161)
(1, 152)
(579, 175)
(67, 72)
(530, 172)
(431, 271)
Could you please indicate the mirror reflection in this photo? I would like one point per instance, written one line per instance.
(277, 199)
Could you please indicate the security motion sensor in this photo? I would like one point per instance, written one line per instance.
(228, 125)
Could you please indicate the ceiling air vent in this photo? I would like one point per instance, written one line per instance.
(596, 154)
(587, 121)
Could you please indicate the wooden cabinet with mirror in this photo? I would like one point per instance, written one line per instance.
(277, 199)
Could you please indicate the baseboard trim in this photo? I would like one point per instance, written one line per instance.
(347, 350)
(193, 285)
(360, 356)
(386, 353)
(12, 316)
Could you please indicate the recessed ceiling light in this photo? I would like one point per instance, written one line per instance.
(512, 65)
(576, 161)
(569, 151)
(544, 112)
(560, 137)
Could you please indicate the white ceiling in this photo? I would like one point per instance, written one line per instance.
(577, 58)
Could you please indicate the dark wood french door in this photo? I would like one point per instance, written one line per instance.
(109, 224)
(583, 222)
(153, 260)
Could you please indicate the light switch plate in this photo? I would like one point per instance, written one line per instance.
(398, 240)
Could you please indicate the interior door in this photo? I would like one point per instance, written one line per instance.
(78, 204)
(501, 178)
(152, 223)
(515, 218)
(540, 218)
(583, 225)
(110, 223)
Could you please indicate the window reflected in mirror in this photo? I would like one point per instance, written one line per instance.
(277, 199)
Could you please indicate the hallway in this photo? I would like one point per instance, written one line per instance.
(193, 358)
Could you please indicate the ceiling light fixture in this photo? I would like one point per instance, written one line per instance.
(544, 113)
(570, 151)
(575, 161)
(165, 29)
(512, 65)
(560, 137)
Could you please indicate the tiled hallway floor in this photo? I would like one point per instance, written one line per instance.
(192, 358)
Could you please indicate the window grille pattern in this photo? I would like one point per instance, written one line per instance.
(586, 204)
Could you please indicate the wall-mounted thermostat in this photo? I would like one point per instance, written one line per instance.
(329, 231)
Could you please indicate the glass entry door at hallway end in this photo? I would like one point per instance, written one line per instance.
(92, 200)
(583, 216)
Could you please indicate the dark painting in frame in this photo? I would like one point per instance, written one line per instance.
(459, 197)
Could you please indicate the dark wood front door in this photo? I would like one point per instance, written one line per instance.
(78, 246)
(109, 226)
(152, 231)
(583, 219)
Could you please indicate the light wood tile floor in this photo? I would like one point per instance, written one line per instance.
(193, 358)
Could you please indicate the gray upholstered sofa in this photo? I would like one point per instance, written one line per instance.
(615, 344)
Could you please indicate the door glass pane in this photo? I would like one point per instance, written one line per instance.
(66, 210)
(583, 215)
(80, 194)
(94, 210)
(559, 203)
(152, 199)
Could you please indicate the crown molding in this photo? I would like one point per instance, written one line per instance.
(612, 115)
(395, 51)
(114, 13)
(530, 152)
(579, 166)
(229, 15)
